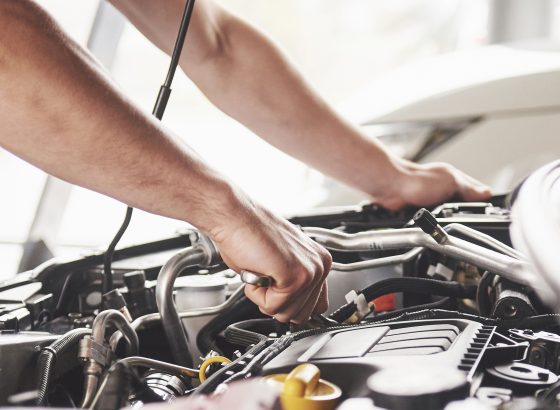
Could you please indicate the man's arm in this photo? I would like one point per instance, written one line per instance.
(245, 75)
(59, 111)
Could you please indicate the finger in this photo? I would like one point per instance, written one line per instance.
(323, 301)
(258, 296)
(474, 192)
(274, 303)
(316, 299)
(300, 312)
(320, 293)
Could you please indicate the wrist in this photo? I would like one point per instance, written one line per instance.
(390, 181)
(228, 207)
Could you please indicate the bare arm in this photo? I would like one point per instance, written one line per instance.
(247, 76)
(59, 111)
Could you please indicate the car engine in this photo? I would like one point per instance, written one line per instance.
(430, 309)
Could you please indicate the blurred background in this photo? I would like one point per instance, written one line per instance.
(343, 48)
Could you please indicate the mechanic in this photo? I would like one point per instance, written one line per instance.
(60, 111)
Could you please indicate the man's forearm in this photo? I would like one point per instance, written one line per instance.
(247, 76)
(59, 111)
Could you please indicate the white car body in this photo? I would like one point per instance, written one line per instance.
(512, 95)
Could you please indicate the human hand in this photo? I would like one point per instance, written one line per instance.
(429, 184)
(254, 239)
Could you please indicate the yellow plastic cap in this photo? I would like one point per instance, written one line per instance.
(303, 389)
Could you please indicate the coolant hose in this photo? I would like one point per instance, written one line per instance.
(48, 356)
(203, 253)
(445, 304)
(407, 285)
(533, 322)
(116, 318)
(93, 369)
(115, 389)
(242, 309)
(239, 333)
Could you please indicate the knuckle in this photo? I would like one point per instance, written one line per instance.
(305, 276)
(327, 261)
(322, 306)
(270, 310)
(282, 318)
(264, 311)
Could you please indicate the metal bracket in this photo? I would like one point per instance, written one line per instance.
(199, 240)
(89, 349)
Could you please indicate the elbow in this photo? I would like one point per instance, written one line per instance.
(209, 40)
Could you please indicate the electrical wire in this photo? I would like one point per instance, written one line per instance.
(108, 258)
(158, 111)
(406, 285)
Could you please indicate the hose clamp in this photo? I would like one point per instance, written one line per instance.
(89, 349)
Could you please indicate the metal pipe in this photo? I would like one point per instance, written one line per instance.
(93, 369)
(146, 320)
(484, 238)
(370, 240)
(159, 365)
(90, 388)
(379, 262)
(202, 254)
(142, 321)
(176, 335)
(116, 318)
(504, 265)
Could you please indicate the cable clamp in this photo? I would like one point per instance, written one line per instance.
(52, 351)
(362, 306)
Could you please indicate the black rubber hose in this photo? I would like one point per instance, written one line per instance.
(210, 385)
(250, 332)
(407, 285)
(48, 356)
(115, 389)
(445, 303)
(533, 322)
(259, 360)
(483, 294)
(242, 309)
(107, 284)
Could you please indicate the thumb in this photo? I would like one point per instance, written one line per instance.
(478, 192)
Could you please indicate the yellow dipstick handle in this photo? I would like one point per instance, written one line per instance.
(302, 380)
(208, 362)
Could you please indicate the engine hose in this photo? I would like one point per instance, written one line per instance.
(115, 389)
(239, 333)
(411, 285)
(210, 385)
(48, 356)
(242, 309)
(482, 294)
(445, 303)
(265, 356)
(532, 322)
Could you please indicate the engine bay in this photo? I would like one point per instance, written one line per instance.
(428, 309)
